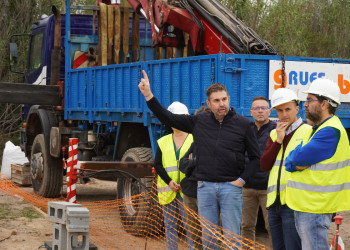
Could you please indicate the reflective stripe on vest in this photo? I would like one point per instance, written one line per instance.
(320, 189)
(324, 187)
(272, 188)
(170, 164)
(171, 169)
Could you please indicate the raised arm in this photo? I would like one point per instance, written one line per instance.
(182, 122)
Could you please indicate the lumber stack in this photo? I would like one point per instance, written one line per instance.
(113, 32)
(20, 174)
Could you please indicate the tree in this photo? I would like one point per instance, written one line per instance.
(311, 28)
(17, 17)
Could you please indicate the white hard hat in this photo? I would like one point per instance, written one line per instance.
(178, 108)
(283, 95)
(325, 88)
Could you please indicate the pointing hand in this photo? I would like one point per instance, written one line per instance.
(145, 87)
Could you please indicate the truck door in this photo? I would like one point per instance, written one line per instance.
(36, 69)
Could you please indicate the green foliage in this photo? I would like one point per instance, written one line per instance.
(311, 28)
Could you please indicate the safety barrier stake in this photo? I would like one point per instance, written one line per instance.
(71, 170)
(337, 241)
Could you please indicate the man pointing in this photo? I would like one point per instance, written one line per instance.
(222, 137)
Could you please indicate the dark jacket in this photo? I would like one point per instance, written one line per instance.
(221, 147)
(260, 178)
(188, 167)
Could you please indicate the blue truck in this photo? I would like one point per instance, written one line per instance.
(102, 106)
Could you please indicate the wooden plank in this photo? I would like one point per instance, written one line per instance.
(186, 38)
(135, 37)
(19, 173)
(22, 180)
(110, 35)
(56, 52)
(159, 53)
(99, 38)
(117, 26)
(103, 39)
(19, 167)
(126, 15)
(170, 52)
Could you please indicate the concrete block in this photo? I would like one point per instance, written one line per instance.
(77, 219)
(57, 211)
(48, 245)
(78, 241)
(59, 237)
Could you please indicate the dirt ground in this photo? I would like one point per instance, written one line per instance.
(30, 230)
(24, 227)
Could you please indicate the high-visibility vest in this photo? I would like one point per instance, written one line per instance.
(171, 166)
(325, 186)
(278, 175)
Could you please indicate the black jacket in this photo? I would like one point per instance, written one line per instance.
(158, 166)
(188, 167)
(221, 147)
(260, 178)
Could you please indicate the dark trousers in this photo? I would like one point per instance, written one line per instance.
(283, 231)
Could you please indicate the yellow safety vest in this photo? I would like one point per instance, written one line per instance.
(325, 186)
(171, 165)
(278, 171)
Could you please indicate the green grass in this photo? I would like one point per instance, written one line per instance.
(5, 212)
(9, 213)
(29, 213)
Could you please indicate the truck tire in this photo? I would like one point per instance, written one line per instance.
(134, 211)
(46, 171)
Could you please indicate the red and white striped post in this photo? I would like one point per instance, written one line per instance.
(71, 170)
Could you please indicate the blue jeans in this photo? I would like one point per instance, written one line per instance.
(170, 214)
(282, 226)
(215, 199)
(313, 230)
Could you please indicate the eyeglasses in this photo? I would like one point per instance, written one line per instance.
(310, 100)
(260, 108)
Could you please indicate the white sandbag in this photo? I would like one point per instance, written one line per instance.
(12, 155)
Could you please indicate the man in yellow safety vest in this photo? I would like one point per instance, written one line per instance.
(319, 184)
(288, 134)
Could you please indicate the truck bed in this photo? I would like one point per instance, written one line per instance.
(110, 93)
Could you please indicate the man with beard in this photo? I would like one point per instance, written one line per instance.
(289, 132)
(319, 183)
(221, 137)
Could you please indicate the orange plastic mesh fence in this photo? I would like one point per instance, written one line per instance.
(137, 223)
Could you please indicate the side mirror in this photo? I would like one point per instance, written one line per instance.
(13, 54)
(17, 58)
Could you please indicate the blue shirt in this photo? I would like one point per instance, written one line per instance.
(321, 147)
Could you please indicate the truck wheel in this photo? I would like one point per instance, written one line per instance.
(46, 170)
(134, 210)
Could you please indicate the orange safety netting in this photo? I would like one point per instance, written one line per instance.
(137, 223)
